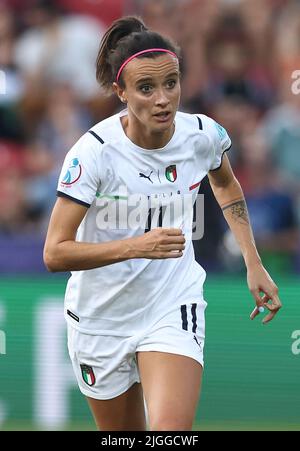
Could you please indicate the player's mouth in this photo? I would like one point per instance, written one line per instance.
(163, 116)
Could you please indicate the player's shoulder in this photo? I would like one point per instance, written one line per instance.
(196, 122)
(94, 140)
(106, 130)
(188, 121)
(213, 130)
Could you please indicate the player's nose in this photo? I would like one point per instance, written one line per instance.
(161, 98)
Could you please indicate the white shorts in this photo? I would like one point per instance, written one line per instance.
(106, 366)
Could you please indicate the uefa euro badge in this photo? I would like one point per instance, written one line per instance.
(73, 173)
(221, 130)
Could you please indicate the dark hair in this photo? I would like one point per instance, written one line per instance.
(124, 38)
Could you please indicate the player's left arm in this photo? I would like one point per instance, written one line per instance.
(229, 195)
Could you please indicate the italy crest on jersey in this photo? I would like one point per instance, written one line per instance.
(171, 173)
(88, 375)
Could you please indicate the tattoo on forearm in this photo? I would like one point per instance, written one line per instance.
(239, 211)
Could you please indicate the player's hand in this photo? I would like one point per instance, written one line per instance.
(160, 243)
(259, 281)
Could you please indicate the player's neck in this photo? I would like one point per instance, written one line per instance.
(144, 139)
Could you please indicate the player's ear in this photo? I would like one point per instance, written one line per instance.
(119, 92)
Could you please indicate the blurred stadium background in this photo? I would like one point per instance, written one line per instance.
(241, 65)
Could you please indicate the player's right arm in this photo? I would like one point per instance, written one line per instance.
(63, 253)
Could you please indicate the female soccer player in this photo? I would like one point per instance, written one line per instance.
(134, 303)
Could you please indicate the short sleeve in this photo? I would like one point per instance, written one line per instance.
(220, 140)
(79, 178)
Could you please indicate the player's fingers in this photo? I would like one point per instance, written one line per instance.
(172, 247)
(259, 303)
(275, 304)
(276, 301)
(257, 297)
(174, 239)
(273, 308)
(172, 254)
(256, 312)
(270, 307)
(172, 231)
(269, 317)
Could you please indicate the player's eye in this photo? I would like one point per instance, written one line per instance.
(145, 88)
(171, 83)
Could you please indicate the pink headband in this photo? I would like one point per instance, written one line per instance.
(141, 53)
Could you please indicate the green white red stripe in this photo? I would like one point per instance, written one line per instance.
(196, 185)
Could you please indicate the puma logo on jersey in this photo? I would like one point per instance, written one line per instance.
(146, 176)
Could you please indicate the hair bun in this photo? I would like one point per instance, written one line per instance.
(124, 27)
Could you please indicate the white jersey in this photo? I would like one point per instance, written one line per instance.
(130, 190)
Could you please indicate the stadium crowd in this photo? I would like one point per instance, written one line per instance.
(238, 65)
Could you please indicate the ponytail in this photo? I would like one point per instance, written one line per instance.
(124, 38)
